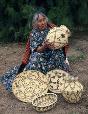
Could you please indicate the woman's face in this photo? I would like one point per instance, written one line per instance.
(42, 24)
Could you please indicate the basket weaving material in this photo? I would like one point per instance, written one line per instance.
(58, 36)
(55, 85)
(45, 102)
(29, 84)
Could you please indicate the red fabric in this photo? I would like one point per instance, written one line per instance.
(66, 48)
(28, 51)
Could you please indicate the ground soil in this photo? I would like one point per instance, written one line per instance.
(11, 54)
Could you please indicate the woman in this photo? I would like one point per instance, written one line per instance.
(38, 55)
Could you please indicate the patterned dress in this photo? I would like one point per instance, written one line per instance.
(45, 61)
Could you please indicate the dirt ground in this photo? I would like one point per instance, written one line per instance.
(10, 55)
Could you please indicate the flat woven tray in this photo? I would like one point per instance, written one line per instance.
(54, 79)
(29, 84)
(45, 102)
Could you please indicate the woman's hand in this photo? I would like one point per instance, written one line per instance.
(66, 61)
(42, 47)
(49, 45)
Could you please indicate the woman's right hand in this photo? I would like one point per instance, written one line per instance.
(49, 45)
(41, 48)
(44, 46)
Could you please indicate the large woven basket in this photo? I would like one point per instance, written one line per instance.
(58, 36)
(45, 102)
(55, 84)
(72, 90)
(29, 85)
(65, 30)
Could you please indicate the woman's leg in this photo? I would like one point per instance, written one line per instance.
(59, 60)
(7, 78)
(37, 62)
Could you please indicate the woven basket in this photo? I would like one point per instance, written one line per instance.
(72, 90)
(30, 84)
(45, 102)
(55, 84)
(65, 30)
(58, 36)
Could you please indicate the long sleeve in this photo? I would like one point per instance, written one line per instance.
(34, 42)
(27, 52)
(66, 48)
(37, 38)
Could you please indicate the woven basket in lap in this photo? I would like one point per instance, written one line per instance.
(58, 36)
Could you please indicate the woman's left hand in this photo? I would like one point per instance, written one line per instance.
(66, 61)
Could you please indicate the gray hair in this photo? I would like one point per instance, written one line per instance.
(36, 16)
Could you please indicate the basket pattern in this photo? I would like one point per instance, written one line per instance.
(72, 91)
(55, 84)
(58, 36)
(45, 102)
(30, 84)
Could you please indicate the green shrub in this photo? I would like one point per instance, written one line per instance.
(83, 13)
(55, 14)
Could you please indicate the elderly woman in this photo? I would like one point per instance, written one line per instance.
(38, 55)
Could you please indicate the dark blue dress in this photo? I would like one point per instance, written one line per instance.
(44, 62)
